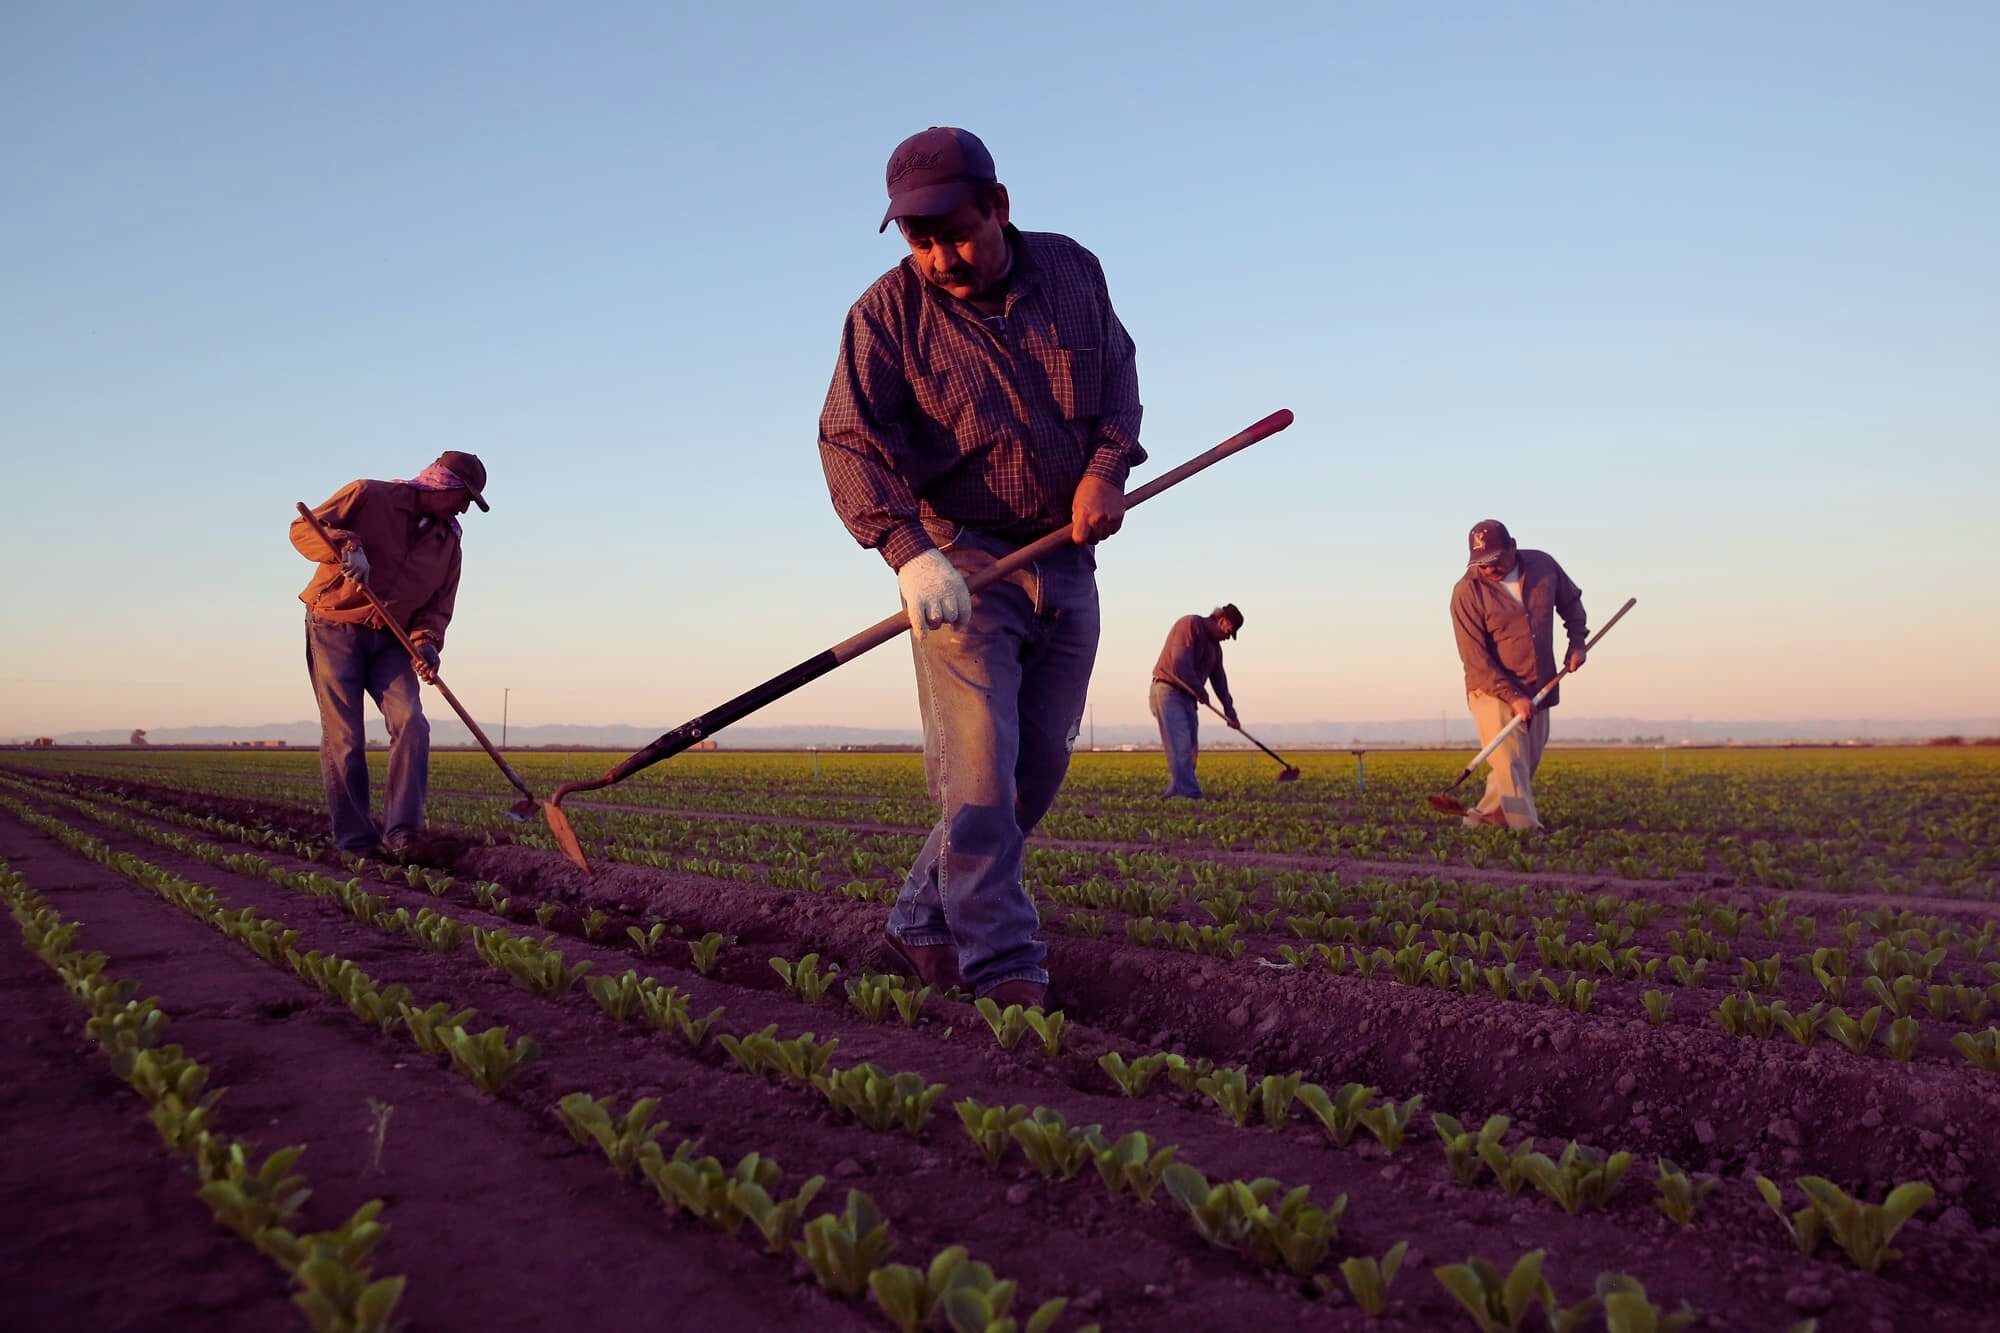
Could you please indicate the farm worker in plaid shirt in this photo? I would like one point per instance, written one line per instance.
(985, 395)
(1190, 661)
(401, 539)
(1503, 614)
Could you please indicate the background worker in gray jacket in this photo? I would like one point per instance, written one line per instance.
(1503, 613)
(1190, 661)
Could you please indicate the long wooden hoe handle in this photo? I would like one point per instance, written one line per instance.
(889, 627)
(438, 681)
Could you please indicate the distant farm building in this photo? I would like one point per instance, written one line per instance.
(256, 745)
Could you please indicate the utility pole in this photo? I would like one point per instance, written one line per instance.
(1093, 726)
(504, 693)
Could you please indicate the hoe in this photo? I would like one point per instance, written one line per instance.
(1289, 772)
(1444, 802)
(748, 702)
(522, 809)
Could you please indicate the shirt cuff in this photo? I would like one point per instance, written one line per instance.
(904, 543)
(1109, 463)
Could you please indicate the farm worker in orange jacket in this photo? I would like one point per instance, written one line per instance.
(401, 539)
(1503, 611)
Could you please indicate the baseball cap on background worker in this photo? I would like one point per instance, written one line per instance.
(1488, 542)
(470, 472)
(932, 173)
(1235, 616)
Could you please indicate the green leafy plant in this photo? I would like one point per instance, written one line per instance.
(1131, 1076)
(1854, 1034)
(1509, 1167)
(1048, 1029)
(910, 1295)
(1901, 1038)
(1462, 1146)
(1679, 1194)
(485, 1059)
(1050, 1145)
(618, 996)
(1863, 1230)
(704, 951)
(910, 1003)
(1131, 1163)
(1499, 1304)
(1368, 1278)
(1805, 1226)
(1009, 1025)
(1658, 1004)
(803, 978)
(778, 1220)
(1626, 1309)
(989, 1127)
(622, 1138)
(1981, 1048)
(1275, 1095)
(427, 1026)
(1339, 1112)
(880, 1101)
(1389, 1121)
(1581, 1179)
(843, 1248)
(1229, 1088)
(648, 939)
(248, 1196)
(1239, 1215)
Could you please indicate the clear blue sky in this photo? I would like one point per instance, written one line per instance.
(1698, 297)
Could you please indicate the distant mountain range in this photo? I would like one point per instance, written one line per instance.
(1453, 731)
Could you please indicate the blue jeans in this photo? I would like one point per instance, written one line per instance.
(347, 662)
(1002, 698)
(1180, 728)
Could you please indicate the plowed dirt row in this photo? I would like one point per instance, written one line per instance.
(1210, 1009)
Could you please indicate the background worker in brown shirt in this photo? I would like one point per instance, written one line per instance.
(1503, 614)
(401, 539)
(985, 395)
(1190, 661)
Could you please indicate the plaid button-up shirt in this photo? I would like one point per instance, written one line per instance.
(938, 417)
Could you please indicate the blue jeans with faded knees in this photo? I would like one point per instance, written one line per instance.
(347, 662)
(1180, 729)
(1002, 697)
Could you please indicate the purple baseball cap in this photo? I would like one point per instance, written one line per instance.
(1488, 542)
(931, 174)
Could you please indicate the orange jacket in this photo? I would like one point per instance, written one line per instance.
(413, 560)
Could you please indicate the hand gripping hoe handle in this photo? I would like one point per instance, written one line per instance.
(748, 702)
(1448, 804)
(559, 823)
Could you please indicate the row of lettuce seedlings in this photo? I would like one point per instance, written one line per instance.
(260, 1199)
(843, 1250)
(1581, 1178)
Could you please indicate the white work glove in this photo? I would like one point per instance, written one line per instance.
(354, 563)
(934, 593)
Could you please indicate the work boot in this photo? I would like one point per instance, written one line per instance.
(932, 964)
(1027, 994)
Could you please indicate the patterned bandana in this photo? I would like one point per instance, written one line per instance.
(437, 477)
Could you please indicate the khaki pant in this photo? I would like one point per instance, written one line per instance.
(1509, 783)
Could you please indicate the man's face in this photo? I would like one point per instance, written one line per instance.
(1498, 570)
(964, 252)
(454, 502)
(1226, 626)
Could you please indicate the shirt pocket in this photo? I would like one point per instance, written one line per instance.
(1076, 381)
(956, 405)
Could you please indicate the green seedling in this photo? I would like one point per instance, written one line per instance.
(909, 1003)
(754, 1051)
(704, 951)
(1626, 1309)
(437, 932)
(338, 1293)
(1658, 1004)
(248, 1197)
(1340, 1112)
(693, 1185)
(1051, 1146)
(880, 1101)
(1368, 1278)
(622, 1138)
(1981, 1048)
(1863, 1230)
(1389, 1121)
(1185, 1073)
(1009, 1025)
(1499, 1304)
(803, 978)
(909, 1295)
(870, 996)
(546, 913)
(1581, 1179)
(1048, 1029)
(802, 1058)
(1899, 997)
(1275, 1094)
(618, 996)
(594, 921)
(427, 1026)
(1133, 1076)
(1744, 1016)
(778, 1221)
(1238, 1215)
(486, 1060)
(1854, 1034)
(1802, 1028)
(843, 1248)
(1510, 1169)
(989, 1127)
(1680, 1194)
(1462, 1146)
(1901, 1038)
(648, 939)
(666, 1008)
(1131, 1163)
(1229, 1088)
(1805, 1226)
